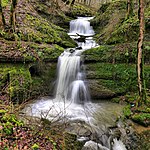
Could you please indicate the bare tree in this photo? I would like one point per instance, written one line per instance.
(140, 63)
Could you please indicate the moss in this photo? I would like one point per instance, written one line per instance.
(115, 100)
(119, 53)
(114, 27)
(127, 31)
(43, 83)
(127, 111)
(71, 142)
(80, 10)
(119, 78)
(99, 54)
(142, 118)
(16, 80)
(23, 81)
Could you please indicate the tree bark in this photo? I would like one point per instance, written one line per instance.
(140, 73)
(129, 9)
(2, 18)
(13, 14)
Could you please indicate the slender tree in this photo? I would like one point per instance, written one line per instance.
(2, 18)
(140, 63)
(129, 9)
(13, 14)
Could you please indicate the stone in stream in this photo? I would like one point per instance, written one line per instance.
(91, 145)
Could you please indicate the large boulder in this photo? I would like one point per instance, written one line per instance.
(98, 91)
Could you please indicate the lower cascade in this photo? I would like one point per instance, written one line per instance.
(90, 121)
(70, 82)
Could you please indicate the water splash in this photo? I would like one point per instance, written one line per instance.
(118, 145)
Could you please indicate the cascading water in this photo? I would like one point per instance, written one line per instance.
(70, 81)
(72, 98)
(81, 26)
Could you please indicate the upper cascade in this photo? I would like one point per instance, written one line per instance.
(81, 26)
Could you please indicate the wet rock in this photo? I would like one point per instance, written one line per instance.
(72, 50)
(81, 129)
(91, 145)
(79, 48)
(98, 91)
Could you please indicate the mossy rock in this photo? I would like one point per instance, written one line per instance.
(29, 52)
(118, 78)
(24, 81)
(80, 10)
(71, 142)
(17, 81)
(43, 79)
(98, 91)
(119, 53)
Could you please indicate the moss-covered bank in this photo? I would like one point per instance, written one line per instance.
(112, 25)
(24, 81)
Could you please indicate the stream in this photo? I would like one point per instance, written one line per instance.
(91, 121)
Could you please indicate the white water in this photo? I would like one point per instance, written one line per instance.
(72, 98)
(70, 76)
(70, 79)
(81, 26)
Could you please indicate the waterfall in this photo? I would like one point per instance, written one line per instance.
(70, 81)
(81, 26)
(71, 84)
(87, 119)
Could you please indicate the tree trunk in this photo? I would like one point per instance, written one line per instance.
(13, 14)
(2, 18)
(140, 73)
(129, 9)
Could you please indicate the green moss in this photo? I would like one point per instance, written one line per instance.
(71, 142)
(119, 53)
(142, 118)
(119, 78)
(102, 53)
(112, 26)
(42, 52)
(127, 31)
(17, 80)
(127, 111)
(39, 30)
(43, 82)
(22, 81)
(80, 10)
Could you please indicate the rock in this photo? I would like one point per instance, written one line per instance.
(81, 129)
(72, 50)
(98, 91)
(79, 48)
(91, 145)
